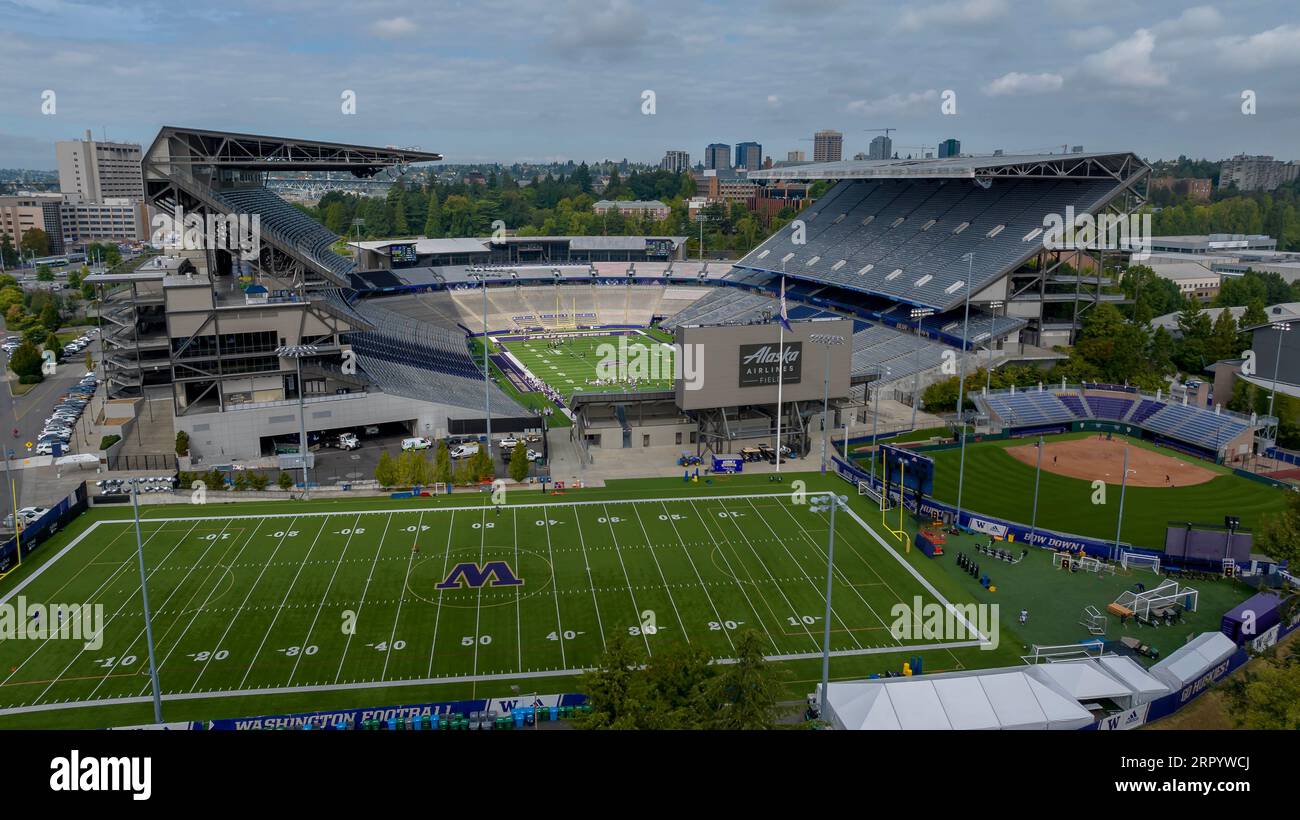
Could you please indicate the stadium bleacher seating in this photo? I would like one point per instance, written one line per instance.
(1195, 425)
(1029, 408)
(1109, 407)
(289, 224)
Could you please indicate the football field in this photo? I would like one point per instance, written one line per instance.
(247, 605)
(572, 363)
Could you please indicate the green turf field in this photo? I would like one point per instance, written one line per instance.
(330, 602)
(570, 364)
(998, 485)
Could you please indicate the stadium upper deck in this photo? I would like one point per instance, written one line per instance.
(901, 229)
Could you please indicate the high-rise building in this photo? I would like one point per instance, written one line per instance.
(881, 147)
(96, 171)
(949, 148)
(26, 212)
(1256, 173)
(796, 156)
(675, 161)
(749, 155)
(828, 146)
(717, 156)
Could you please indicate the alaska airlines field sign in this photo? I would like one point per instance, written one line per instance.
(760, 364)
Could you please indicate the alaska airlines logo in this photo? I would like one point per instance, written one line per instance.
(470, 574)
(766, 354)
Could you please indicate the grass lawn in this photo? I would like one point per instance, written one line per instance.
(570, 364)
(250, 601)
(998, 485)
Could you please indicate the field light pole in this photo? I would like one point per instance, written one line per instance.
(1038, 472)
(144, 597)
(988, 371)
(919, 315)
(821, 504)
(297, 353)
(1280, 327)
(1119, 525)
(487, 374)
(875, 418)
(828, 341)
(961, 388)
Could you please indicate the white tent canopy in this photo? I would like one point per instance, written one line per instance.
(1193, 659)
(1084, 681)
(1143, 684)
(994, 699)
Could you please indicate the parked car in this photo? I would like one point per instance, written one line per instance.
(508, 443)
(348, 441)
(418, 443)
(464, 450)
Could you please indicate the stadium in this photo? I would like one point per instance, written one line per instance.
(661, 508)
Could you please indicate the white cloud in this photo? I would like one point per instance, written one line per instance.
(1128, 63)
(894, 103)
(1015, 83)
(953, 13)
(1091, 37)
(1196, 20)
(1274, 48)
(394, 27)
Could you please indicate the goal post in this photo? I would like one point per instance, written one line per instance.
(1132, 560)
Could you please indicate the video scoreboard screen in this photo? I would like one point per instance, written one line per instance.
(916, 470)
(402, 255)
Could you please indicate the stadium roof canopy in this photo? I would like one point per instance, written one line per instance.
(1056, 166)
(263, 153)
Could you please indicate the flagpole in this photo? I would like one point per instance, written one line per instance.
(780, 369)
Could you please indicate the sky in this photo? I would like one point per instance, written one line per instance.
(542, 80)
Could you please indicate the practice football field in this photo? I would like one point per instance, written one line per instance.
(572, 364)
(333, 600)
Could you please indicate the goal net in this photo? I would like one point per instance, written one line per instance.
(1132, 560)
(864, 488)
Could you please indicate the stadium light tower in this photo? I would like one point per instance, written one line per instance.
(144, 599)
(1280, 327)
(482, 277)
(919, 315)
(297, 353)
(828, 341)
(820, 504)
(875, 418)
(961, 386)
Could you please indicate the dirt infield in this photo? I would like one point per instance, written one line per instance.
(1094, 458)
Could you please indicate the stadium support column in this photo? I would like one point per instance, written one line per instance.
(1119, 525)
(961, 387)
(144, 598)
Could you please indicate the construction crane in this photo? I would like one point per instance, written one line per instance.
(878, 130)
(922, 148)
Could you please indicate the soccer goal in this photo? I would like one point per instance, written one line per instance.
(880, 500)
(1132, 560)
(1080, 563)
(1168, 597)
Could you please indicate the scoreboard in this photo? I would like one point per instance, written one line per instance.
(917, 470)
(402, 255)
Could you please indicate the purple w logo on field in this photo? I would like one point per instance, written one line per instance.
(467, 573)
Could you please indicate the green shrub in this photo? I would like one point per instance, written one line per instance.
(109, 441)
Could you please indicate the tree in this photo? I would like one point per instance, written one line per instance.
(35, 242)
(44, 273)
(26, 360)
(433, 220)
(481, 466)
(8, 254)
(52, 345)
(1256, 314)
(182, 443)
(1278, 535)
(519, 462)
(442, 464)
(750, 688)
(386, 471)
(50, 316)
(1268, 697)
(285, 481)
(612, 686)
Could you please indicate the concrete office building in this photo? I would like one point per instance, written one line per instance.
(96, 171)
(828, 146)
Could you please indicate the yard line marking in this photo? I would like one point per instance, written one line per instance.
(344, 656)
(779, 588)
(195, 565)
(519, 624)
(555, 587)
(725, 632)
(844, 578)
(591, 581)
(636, 610)
(437, 617)
(704, 520)
(306, 641)
(450, 679)
(239, 611)
(410, 561)
(478, 599)
(664, 578)
(821, 593)
(102, 627)
(276, 616)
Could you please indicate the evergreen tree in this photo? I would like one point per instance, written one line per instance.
(519, 462)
